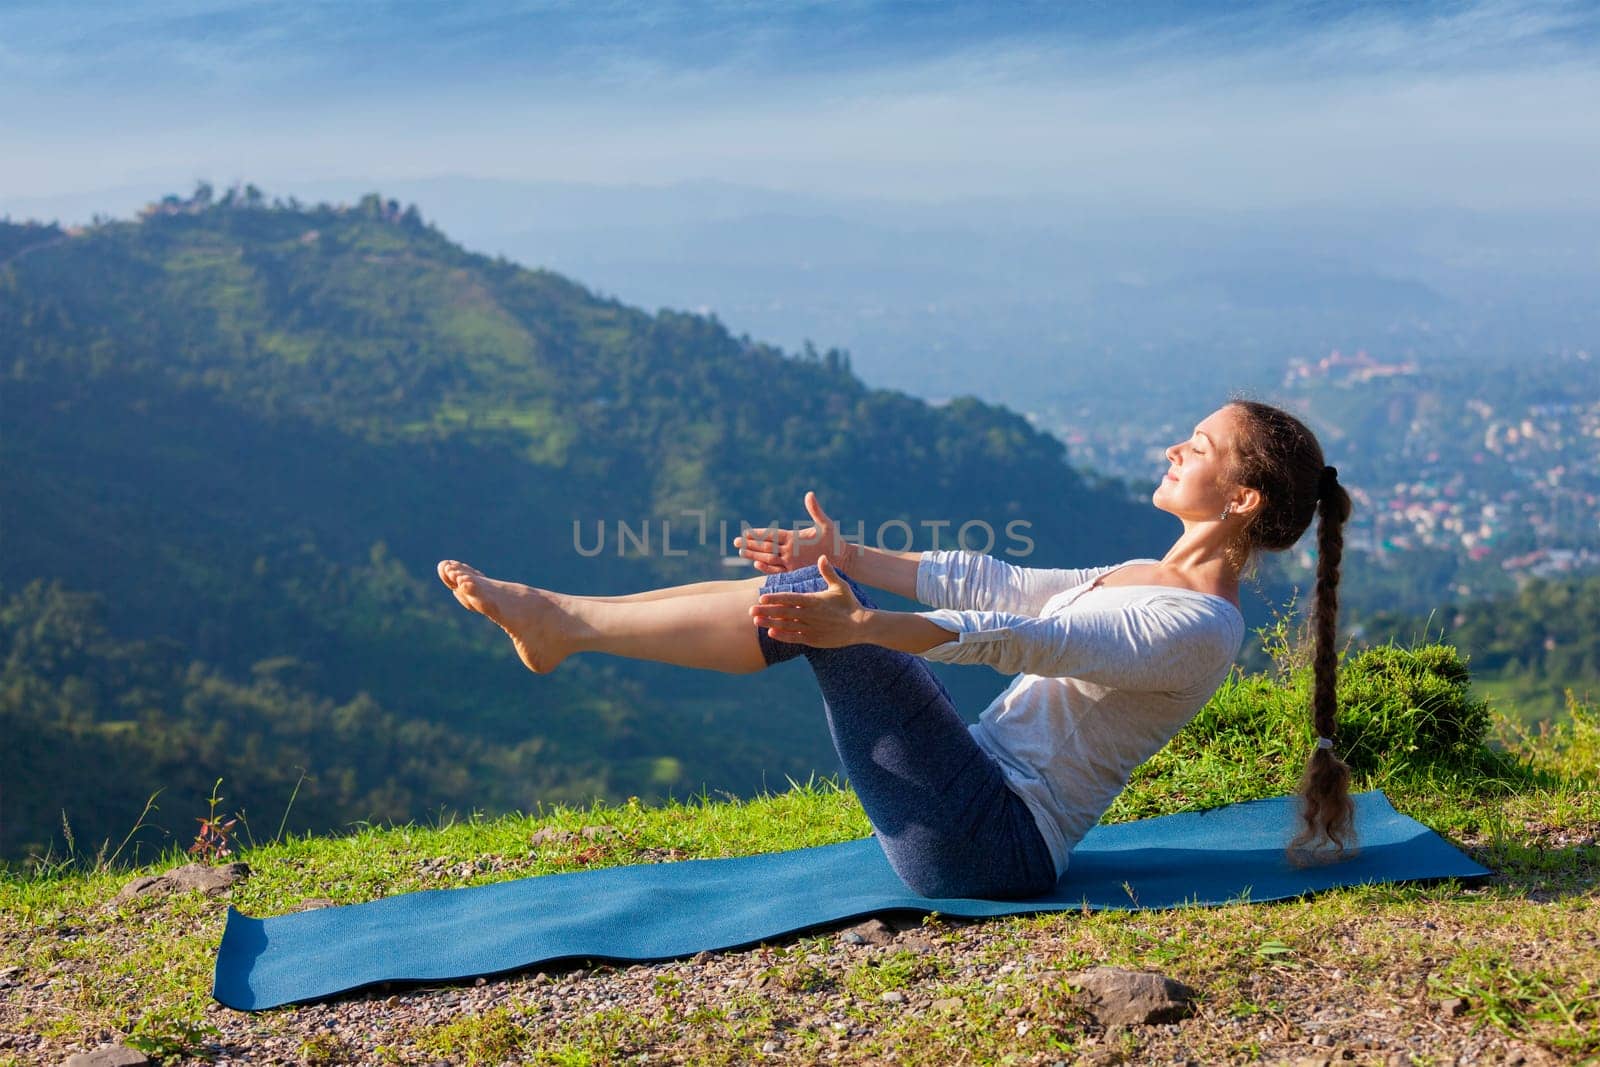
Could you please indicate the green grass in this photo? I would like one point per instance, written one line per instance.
(1521, 949)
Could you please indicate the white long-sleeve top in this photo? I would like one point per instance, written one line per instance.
(1105, 675)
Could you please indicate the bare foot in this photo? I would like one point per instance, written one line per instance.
(531, 617)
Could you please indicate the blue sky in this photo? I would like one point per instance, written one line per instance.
(1195, 106)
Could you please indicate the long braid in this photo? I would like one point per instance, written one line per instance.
(1277, 455)
(1326, 809)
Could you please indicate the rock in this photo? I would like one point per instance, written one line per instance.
(108, 1056)
(1454, 1006)
(893, 996)
(1125, 998)
(149, 883)
(1103, 1058)
(871, 932)
(209, 880)
(946, 1004)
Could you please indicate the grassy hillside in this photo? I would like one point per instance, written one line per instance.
(239, 436)
(1501, 971)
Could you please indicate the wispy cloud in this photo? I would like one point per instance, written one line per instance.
(161, 42)
(1218, 104)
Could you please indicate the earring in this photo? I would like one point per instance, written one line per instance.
(1226, 511)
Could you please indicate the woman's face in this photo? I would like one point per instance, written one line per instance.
(1194, 485)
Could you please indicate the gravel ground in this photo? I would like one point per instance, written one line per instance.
(983, 988)
(1334, 1020)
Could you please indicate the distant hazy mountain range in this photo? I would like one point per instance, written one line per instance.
(1065, 297)
(239, 436)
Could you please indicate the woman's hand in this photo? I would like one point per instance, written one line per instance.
(775, 551)
(828, 618)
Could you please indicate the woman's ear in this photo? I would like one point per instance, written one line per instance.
(1246, 501)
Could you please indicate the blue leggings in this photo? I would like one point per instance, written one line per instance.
(947, 820)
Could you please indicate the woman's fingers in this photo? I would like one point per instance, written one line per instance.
(779, 619)
(764, 548)
(777, 613)
(787, 600)
(760, 557)
(814, 506)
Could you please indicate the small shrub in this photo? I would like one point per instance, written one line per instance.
(325, 1050)
(802, 978)
(214, 841)
(893, 971)
(493, 1037)
(1401, 706)
(163, 1036)
(1569, 749)
(1400, 710)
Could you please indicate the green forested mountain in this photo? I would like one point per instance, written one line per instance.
(237, 436)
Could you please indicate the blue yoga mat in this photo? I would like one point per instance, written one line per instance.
(664, 910)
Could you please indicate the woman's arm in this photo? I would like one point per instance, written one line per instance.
(894, 572)
(964, 580)
(906, 631)
(1157, 643)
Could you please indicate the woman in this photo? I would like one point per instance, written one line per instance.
(1110, 661)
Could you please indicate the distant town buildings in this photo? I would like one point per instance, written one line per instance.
(1337, 367)
(1504, 482)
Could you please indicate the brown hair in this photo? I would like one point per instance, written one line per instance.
(1277, 455)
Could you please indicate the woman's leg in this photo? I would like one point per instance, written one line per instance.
(947, 820)
(710, 630)
(666, 593)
